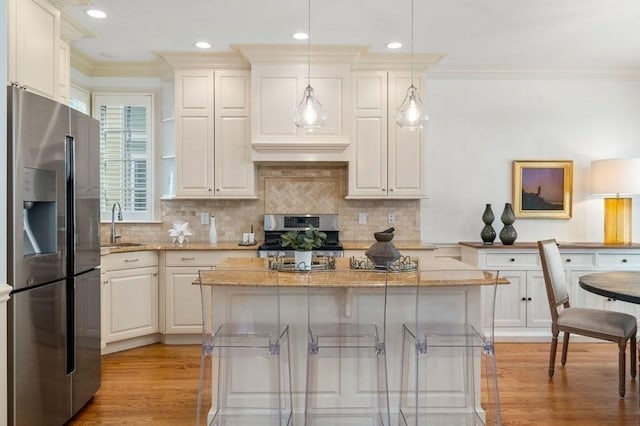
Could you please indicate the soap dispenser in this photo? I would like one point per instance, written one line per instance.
(213, 233)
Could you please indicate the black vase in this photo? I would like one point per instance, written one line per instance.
(488, 234)
(508, 233)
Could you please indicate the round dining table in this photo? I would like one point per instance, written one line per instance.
(618, 285)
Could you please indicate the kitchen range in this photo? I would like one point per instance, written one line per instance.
(277, 224)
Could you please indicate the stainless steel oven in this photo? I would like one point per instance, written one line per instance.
(277, 224)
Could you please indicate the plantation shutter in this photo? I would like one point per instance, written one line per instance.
(125, 156)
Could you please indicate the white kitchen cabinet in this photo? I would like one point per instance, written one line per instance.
(181, 304)
(212, 157)
(64, 72)
(129, 295)
(386, 161)
(33, 54)
(276, 91)
(522, 309)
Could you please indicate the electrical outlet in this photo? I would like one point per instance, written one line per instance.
(392, 218)
(362, 218)
(204, 218)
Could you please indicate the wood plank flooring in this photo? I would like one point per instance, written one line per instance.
(157, 385)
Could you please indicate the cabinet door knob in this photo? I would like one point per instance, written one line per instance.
(569, 260)
(512, 259)
(383, 189)
(529, 299)
(391, 189)
(209, 189)
(624, 260)
(218, 189)
(524, 299)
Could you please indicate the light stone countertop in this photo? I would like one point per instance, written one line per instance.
(400, 245)
(221, 245)
(253, 272)
(233, 245)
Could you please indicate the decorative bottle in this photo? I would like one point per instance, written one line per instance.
(213, 233)
(508, 233)
(488, 234)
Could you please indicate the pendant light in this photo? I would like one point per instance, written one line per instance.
(309, 115)
(412, 114)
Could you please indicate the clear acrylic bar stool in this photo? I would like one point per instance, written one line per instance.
(448, 373)
(248, 379)
(346, 359)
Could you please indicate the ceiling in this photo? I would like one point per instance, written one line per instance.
(473, 34)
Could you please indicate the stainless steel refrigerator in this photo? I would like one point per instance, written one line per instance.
(53, 259)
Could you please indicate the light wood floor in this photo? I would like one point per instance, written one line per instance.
(157, 385)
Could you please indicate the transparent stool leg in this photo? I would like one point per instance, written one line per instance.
(490, 391)
(203, 405)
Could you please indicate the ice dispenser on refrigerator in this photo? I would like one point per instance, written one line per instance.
(39, 195)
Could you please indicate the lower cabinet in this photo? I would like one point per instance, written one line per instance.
(182, 303)
(522, 309)
(129, 295)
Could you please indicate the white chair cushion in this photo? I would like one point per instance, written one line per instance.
(598, 321)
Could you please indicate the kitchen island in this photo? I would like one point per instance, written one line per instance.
(449, 300)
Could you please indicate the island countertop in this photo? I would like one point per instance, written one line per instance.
(442, 272)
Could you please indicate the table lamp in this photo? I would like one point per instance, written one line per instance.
(616, 176)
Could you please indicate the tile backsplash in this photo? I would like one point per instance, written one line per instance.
(286, 188)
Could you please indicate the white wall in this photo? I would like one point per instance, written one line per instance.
(479, 126)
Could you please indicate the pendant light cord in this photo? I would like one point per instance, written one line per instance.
(309, 43)
(411, 41)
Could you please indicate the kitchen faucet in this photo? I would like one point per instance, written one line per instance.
(114, 237)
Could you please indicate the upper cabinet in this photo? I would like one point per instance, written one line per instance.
(34, 46)
(213, 156)
(386, 161)
(64, 72)
(279, 75)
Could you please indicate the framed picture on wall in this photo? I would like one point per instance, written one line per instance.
(542, 189)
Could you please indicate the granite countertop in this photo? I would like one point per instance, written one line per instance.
(400, 245)
(252, 272)
(221, 245)
(233, 245)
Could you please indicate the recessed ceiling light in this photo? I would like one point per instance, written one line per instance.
(202, 44)
(394, 45)
(95, 13)
(300, 36)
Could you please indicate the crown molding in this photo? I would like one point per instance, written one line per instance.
(92, 68)
(288, 53)
(397, 61)
(71, 30)
(519, 73)
(61, 4)
(179, 60)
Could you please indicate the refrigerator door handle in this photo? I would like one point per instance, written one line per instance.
(71, 231)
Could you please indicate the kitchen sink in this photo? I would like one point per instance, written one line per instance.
(112, 245)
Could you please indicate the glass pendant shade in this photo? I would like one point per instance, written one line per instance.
(412, 114)
(309, 115)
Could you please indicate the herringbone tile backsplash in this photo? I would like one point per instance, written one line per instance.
(281, 189)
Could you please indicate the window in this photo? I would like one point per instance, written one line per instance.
(79, 99)
(126, 153)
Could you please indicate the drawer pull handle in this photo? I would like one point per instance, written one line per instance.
(568, 260)
(131, 260)
(624, 260)
(512, 259)
(188, 258)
